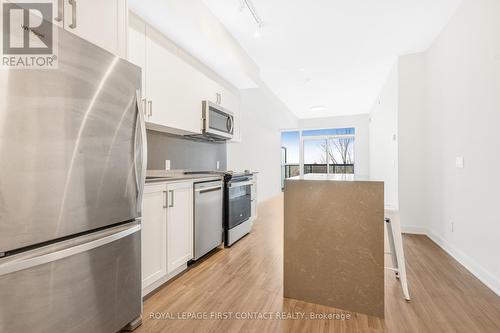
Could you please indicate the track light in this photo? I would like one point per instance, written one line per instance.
(256, 17)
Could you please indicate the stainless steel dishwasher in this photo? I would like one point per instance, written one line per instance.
(208, 206)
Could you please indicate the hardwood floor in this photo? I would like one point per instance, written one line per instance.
(247, 278)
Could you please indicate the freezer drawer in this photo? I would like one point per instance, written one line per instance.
(87, 284)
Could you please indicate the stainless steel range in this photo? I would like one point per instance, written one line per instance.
(237, 206)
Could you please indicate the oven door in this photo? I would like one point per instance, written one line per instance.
(239, 202)
(218, 122)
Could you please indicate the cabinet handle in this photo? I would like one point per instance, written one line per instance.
(166, 199)
(144, 110)
(73, 14)
(171, 198)
(150, 103)
(59, 16)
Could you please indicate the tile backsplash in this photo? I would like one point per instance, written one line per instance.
(184, 153)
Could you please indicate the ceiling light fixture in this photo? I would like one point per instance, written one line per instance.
(252, 10)
(256, 17)
(317, 108)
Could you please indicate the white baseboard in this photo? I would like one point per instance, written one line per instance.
(413, 229)
(470, 264)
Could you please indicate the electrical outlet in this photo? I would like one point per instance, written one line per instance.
(167, 164)
(218, 165)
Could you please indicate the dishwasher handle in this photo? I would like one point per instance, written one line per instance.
(208, 189)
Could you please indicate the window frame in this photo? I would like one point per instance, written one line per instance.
(326, 137)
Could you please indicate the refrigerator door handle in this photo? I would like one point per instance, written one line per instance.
(140, 179)
(34, 260)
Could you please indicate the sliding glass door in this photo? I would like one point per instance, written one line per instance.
(329, 151)
(340, 150)
(326, 151)
(315, 156)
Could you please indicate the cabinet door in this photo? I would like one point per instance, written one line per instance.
(154, 234)
(137, 49)
(231, 101)
(58, 12)
(179, 224)
(171, 86)
(103, 23)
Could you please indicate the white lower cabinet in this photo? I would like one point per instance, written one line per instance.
(154, 234)
(167, 232)
(179, 225)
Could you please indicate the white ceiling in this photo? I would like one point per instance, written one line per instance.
(191, 25)
(332, 53)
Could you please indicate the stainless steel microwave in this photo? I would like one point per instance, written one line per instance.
(218, 122)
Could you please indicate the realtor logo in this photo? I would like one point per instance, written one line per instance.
(28, 35)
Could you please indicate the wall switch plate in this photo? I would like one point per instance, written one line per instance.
(459, 162)
(167, 164)
(218, 165)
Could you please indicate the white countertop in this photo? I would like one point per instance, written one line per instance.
(334, 177)
(162, 176)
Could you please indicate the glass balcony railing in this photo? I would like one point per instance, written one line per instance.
(292, 170)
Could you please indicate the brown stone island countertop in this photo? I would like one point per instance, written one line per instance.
(334, 242)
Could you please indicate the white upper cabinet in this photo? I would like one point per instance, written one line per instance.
(174, 83)
(58, 12)
(137, 47)
(179, 225)
(103, 23)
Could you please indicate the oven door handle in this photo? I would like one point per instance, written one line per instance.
(238, 184)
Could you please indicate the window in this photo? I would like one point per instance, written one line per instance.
(321, 151)
(290, 150)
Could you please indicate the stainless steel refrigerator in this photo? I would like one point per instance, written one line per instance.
(72, 169)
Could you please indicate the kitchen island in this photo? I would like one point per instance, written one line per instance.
(334, 241)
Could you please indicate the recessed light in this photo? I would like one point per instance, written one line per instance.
(317, 108)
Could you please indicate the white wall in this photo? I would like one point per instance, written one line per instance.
(361, 144)
(449, 104)
(263, 115)
(463, 117)
(383, 138)
(412, 171)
